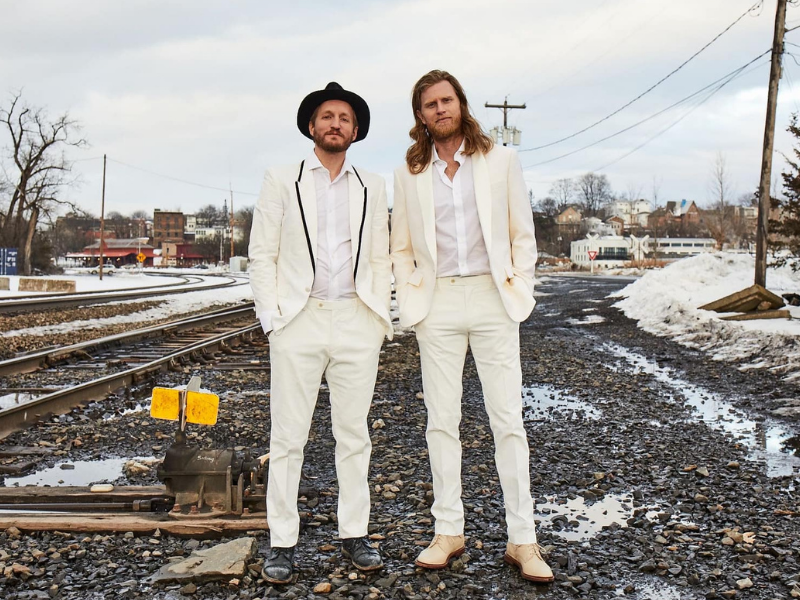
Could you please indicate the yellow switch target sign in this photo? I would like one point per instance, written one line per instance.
(201, 408)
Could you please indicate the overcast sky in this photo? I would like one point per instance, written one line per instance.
(207, 92)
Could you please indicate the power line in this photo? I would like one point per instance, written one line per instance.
(202, 185)
(730, 75)
(651, 88)
(678, 120)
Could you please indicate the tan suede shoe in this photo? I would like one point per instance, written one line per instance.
(440, 551)
(528, 558)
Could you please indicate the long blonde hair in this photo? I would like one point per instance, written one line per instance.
(475, 139)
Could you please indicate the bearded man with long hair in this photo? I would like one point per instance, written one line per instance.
(463, 252)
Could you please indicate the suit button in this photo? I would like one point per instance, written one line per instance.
(320, 304)
(452, 281)
(308, 289)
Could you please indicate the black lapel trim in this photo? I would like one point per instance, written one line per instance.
(361, 229)
(303, 217)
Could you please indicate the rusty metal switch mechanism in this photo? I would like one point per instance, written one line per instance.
(206, 482)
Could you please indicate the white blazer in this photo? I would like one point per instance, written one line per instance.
(506, 219)
(283, 243)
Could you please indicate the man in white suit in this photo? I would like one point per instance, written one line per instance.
(464, 252)
(321, 278)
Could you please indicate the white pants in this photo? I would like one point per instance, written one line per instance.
(342, 340)
(468, 311)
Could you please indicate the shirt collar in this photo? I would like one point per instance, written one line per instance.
(312, 162)
(459, 155)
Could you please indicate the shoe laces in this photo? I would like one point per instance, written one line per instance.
(532, 550)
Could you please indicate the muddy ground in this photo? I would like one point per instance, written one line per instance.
(658, 473)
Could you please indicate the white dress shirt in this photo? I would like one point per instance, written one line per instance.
(334, 256)
(460, 249)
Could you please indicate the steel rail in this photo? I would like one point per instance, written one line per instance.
(27, 305)
(27, 363)
(20, 417)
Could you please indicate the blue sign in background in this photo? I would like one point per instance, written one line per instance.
(8, 261)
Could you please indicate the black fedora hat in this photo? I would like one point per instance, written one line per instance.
(333, 91)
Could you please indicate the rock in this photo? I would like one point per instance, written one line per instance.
(223, 561)
(323, 588)
(378, 424)
(189, 588)
(743, 584)
(702, 471)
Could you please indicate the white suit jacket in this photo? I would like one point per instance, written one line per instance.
(283, 243)
(506, 220)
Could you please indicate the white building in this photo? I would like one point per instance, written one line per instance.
(611, 250)
(633, 212)
(680, 247)
(189, 224)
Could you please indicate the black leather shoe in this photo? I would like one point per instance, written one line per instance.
(363, 555)
(278, 566)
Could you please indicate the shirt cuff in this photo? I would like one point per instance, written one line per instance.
(266, 320)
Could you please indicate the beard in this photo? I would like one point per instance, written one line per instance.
(444, 131)
(331, 143)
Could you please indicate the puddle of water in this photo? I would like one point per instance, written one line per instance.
(542, 401)
(588, 320)
(769, 442)
(587, 519)
(651, 590)
(85, 473)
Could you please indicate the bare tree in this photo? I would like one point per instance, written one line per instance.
(563, 192)
(547, 206)
(721, 194)
(37, 173)
(594, 191)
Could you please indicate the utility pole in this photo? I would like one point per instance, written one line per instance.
(102, 219)
(230, 220)
(769, 140)
(512, 134)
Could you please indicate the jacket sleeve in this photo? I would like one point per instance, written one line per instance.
(379, 253)
(264, 245)
(402, 252)
(520, 224)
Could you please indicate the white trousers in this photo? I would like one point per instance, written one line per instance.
(468, 311)
(342, 340)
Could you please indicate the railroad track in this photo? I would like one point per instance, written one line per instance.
(152, 350)
(19, 304)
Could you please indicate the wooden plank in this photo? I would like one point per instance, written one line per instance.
(143, 523)
(742, 300)
(762, 314)
(32, 494)
(16, 468)
(14, 451)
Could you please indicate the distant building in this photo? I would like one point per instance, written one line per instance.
(670, 248)
(617, 224)
(570, 216)
(612, 250)
(168, 227)
(117, 252)
(595, 225)
(633, 213)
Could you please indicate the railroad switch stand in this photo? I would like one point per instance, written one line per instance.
(206, 482)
